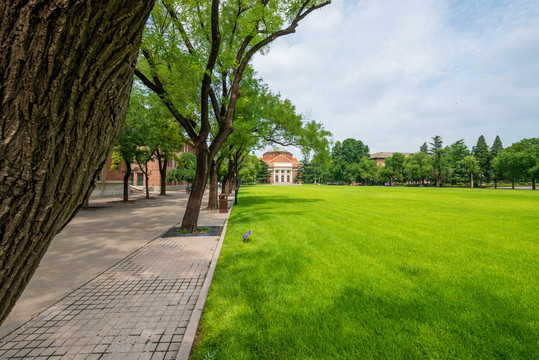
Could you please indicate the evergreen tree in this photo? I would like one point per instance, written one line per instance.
(494, 151)
(455, 156)
(424, 148)
(440, 163)
(482, 155)
(436, 144)
(496, 147)
(263, 173)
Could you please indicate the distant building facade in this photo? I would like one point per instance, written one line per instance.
(381, 157)
(283, 167)
(110, 182)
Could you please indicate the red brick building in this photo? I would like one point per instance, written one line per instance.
(284, 168)
(381, 157)
(110, 182)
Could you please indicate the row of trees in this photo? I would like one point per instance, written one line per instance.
(434, 164)
(67, 74)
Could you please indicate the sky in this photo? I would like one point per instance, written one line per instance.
(395, 73)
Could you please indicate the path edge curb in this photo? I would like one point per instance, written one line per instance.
(190, 333)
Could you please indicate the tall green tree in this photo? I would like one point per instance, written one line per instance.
(344, 155)
(262, 172)
(160, 136)
(456, 154)
(436, 144)
(67, 69)
(424, 148)
(509, 165)
(185, 168)
(471, 166)
(482, 154)
(364, 171)
(441, 168)
(497, 146)
(418, 167)
(247, 169)
(125, 151)
(196, 53)
(395, 167)
(528, 149)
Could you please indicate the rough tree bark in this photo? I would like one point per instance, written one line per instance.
(67, 69)
(192, 209)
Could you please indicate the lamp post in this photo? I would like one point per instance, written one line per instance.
(237, 186)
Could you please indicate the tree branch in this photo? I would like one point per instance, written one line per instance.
(180, 27)
(157, 87)
(212, 59)
(215, 104)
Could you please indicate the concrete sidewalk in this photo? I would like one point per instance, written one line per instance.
(138, 308)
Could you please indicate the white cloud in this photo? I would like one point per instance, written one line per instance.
(393, 74)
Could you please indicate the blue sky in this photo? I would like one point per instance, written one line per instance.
(395, 73)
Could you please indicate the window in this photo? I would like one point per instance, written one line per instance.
(288, 178)
(132, 179)
(140, 179)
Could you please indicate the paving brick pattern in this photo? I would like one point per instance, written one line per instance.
(137, 309)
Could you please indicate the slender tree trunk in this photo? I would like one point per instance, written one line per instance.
(228, 181)
(495, 183)
(192, 210)
(162, 163)
(533, 184)
(233, 182)
(147, 185)
(67, 69)
(512, 184)
(471, 180)
(213, 203)
(224, 185)
(126, 180)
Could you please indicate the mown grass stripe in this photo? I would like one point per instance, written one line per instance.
(357, 272)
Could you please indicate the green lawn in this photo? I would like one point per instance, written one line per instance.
(373, 272)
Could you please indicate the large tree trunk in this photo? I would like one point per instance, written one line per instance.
(126, 180)
(192, 210)
(495, 183)
(512, 184)
(67, 69)
(533, 184)
(471, 180)
(213, 203)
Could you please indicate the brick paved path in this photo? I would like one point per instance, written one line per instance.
(137, 309)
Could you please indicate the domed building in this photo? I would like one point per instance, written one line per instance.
(283, 167)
